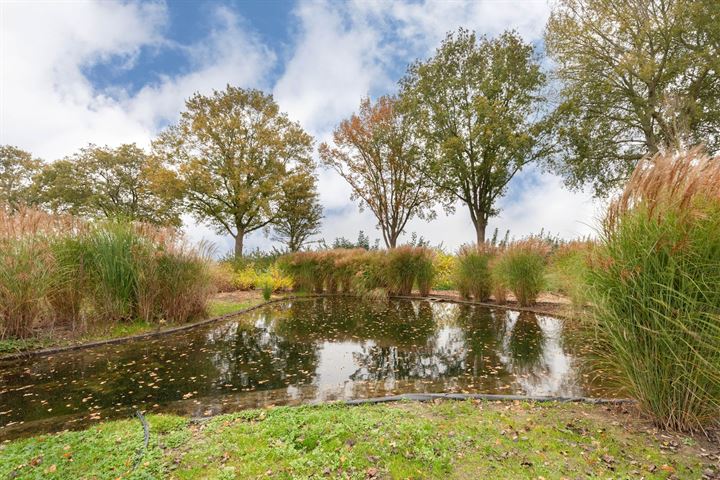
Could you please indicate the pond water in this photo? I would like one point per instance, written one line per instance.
(298, 351)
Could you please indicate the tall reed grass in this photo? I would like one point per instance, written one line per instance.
(370, 273)
(655, 287)
(472, 275)
(521, 267)
(567, 270)
(56, 271)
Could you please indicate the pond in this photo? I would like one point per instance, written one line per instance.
(298, 351)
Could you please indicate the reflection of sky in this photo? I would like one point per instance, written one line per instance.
(326, 350)
(335, 365)
(552, 375)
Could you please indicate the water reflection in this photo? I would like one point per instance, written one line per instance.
(300, 351)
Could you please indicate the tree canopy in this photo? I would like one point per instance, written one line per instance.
(104, 182)
(477, 107)
(233, 151)
(17, 171)
(299, 213)
(375, 153)
(637, 77)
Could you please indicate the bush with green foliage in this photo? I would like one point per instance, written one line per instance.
(655, 290)
(444, 265)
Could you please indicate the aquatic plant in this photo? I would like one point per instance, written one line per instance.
(655, 290)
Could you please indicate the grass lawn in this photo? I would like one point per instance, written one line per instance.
(216, 307)
(469, 440)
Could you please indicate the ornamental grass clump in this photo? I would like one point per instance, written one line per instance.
(406, 266)
(521, 267)
(425, 272)
(567, 270)
(655, 289)
(60, 272)
(472, 276)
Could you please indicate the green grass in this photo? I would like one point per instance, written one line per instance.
(222, 307)
(14, 345)
(407, 440)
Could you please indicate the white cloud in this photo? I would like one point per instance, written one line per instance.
(340, 53)
(50, 108)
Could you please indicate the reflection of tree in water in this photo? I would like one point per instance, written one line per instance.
(465, 345)
(526, 342)
(257, 358)
(532, 349)
(402, 322)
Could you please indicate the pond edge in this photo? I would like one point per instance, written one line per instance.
(227, 316)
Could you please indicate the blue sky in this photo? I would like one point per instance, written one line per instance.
(113, 72)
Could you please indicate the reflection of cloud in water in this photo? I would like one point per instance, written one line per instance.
(552, 372)
(300, 351)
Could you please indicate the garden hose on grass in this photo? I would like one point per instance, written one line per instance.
(428, 397)
(146, 430)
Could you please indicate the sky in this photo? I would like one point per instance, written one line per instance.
(80, 72)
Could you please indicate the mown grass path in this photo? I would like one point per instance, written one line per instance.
(449, 439)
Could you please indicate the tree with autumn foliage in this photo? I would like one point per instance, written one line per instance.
(299, 212)
(477, 106)
(17, 171)
(233, 151)
(375, 152)
(636, 77)
(105, 182)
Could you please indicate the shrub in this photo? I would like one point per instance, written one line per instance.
(246, 279)
(655, 290)
(521, 267)
(223, 277)
(472, 276)
(444, 266)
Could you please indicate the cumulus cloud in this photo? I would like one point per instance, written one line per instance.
(48, 106)
(51, 108)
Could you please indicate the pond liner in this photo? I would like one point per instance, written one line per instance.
(429, 397)
(227, 316)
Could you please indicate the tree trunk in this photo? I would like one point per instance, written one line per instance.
(239, 244)
(480, 226)
(392, 240)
